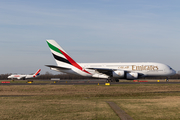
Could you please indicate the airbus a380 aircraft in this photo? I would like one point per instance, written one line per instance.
(25, 76)
(110, 71)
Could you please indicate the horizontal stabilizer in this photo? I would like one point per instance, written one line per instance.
(53, 66)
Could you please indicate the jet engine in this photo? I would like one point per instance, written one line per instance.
(131, 76)
(118, 74)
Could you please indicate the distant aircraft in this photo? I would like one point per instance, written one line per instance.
(25, 76)
(109, 71)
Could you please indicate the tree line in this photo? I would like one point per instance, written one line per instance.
(48, 75)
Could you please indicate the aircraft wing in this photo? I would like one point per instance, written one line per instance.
(108, 71)
(20, 77)
(102, 69)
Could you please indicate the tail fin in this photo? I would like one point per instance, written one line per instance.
(61, 57)
(37, 73)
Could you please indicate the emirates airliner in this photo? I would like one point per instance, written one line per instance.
(109, 71)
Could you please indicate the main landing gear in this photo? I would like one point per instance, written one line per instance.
(108, 80)
(112, 80)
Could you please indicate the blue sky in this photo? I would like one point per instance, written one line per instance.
(89, 31)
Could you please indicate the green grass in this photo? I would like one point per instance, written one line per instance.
(54, 107)
(39, 102)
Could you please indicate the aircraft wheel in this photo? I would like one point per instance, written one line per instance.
(117, 80)
(109, 80)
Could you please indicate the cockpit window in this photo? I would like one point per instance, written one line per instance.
(170, 68)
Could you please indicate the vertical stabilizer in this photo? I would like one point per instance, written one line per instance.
(37, 73)
(59, 54)
(62, 58)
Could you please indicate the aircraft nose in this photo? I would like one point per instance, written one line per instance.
(173, 72)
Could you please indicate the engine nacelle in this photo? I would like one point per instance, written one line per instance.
(131, 76)
(118, 74)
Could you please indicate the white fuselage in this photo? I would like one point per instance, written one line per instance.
(17, 76)
(21, 76)
(146, 69)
